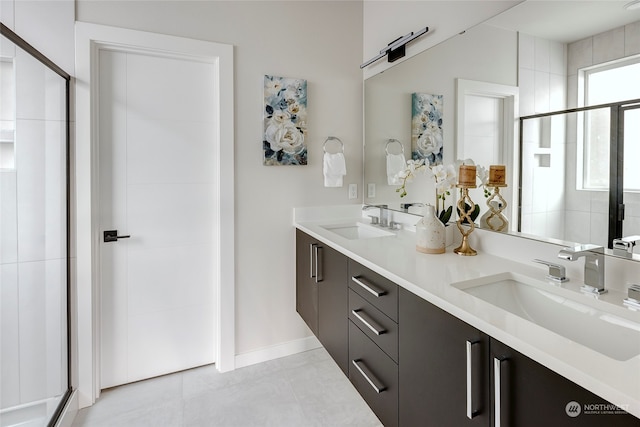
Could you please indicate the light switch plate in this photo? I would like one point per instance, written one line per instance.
(353, 191)
(371, 190)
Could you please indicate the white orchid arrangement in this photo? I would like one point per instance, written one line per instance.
(444, 179)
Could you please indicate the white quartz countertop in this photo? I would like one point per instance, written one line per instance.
(430, 277)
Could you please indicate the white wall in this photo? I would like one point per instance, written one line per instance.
(385, 21)
(316, 40)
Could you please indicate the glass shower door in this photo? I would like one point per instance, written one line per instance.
(631, 224)
(34, 259)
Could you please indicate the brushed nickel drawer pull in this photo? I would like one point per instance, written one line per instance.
(368, 322)
(373, 289)
(366, 373)
(471, 412)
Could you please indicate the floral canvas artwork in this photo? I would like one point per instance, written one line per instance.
(426, 128)
(285, 121)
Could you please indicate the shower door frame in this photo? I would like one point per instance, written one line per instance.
(28, 48)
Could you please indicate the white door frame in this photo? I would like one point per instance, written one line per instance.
(89, 39)
(510, 152)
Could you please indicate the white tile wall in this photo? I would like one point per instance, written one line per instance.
(33, 271)
(9, 344)
(8, 217)
(632, 39)
(608, 46)
(39, 318)
(41, 190)
(541, 51)
(580, 55)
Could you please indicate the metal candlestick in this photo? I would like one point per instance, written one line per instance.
(465, 249)
(497, 213)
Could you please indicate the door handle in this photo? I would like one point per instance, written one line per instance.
(112, 236)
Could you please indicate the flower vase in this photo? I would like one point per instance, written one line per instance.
(430, 233)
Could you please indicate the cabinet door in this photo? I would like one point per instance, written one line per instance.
(306, 287)
(333, 305)
(434, 365)
(527, 394)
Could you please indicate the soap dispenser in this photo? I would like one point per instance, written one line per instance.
(430, 233)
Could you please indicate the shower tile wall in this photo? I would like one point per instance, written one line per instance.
(32, 242)
(541, 78)
(588, 210)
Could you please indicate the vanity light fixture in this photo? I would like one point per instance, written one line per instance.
(635, 4)
(396, 49)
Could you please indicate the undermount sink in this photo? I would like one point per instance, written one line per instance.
(357, 230)
(559, 311)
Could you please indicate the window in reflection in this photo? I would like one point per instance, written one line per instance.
(606, 83)
(7, 113)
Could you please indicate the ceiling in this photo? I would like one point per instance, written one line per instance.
(566, 21)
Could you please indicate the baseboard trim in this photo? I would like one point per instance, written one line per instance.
(277, 351)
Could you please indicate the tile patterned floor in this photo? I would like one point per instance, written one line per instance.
(306, 389)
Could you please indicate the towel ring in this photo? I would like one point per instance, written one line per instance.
(391, 141)
(332, 138)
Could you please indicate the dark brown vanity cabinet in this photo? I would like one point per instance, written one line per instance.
(417, 365)
(437, 351)
(526, 393)
(451, 374)
(373, 341)
(322, 295)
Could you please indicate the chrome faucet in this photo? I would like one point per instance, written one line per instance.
(593, 266)
(383, 217)
(624, 246)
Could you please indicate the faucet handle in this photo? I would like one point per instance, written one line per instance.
(625, 245)
(633, 298)
(557, 272)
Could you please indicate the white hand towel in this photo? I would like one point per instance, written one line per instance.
(395, 163)
(334, 168)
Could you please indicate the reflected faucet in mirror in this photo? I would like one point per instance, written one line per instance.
(625, 245)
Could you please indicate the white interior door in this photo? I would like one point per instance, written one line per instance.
(157, 178)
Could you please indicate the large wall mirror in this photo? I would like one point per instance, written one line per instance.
(537, 57)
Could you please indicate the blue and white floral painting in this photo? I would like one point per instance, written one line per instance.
(285, 121)
(426, 128)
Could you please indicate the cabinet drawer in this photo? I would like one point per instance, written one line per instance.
(374, 375)
(378, 290)
(375, 324)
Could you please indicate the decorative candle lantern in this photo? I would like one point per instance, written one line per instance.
(467, 175)
(497, 175)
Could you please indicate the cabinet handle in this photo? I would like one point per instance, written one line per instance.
(373, 289)
(366, 373)
(318, 253)
(497, 390)
(471, 412)
(368, 322)
(312, 269)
